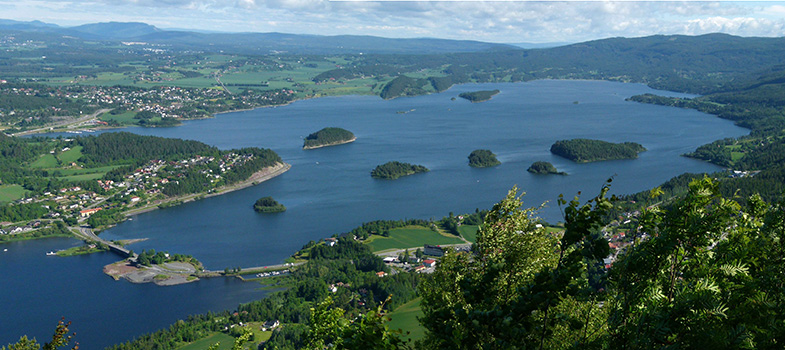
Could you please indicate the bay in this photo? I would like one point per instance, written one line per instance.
(38, 290)
(329, 190)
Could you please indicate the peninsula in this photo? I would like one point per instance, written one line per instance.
(586, 150)
(328, 137)
(394, 170)
(483, 158)
(479, 96)
(544, 168)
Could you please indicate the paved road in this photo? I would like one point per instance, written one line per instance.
(64, 123)
(86, 233)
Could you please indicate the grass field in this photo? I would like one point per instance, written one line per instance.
(82, 171)
(202, 344)
(125, 118)
(410, 237)
(46, 161)
(71, 155)
(405, 319)
(469, 232)
(10, 193)
(83, 177)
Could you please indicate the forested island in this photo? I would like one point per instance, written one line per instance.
(395, 169)
(541, 167)
(586, 150)
(483, 158)
(479, 96)
(268, 205)
(328, 137)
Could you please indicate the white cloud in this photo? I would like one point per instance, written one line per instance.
(504, 21)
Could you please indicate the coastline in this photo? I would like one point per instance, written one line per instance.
(331, 144)
(255, 179)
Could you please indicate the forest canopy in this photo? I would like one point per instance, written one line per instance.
(586, 150)
(395, 169)
(328, 137)
(483, 158)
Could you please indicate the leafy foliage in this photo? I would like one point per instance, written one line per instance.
(515, 289)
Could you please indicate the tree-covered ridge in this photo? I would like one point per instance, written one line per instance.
(393, 170)
(327, 137)
(483, 158)
(478, 96)
(541, 167)
(586, 150)
(268, 205)
(115, 147)
(404, 86)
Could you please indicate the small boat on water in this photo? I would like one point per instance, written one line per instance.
(5, 250)
(51, 253)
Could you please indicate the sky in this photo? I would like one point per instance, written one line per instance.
(491, 21)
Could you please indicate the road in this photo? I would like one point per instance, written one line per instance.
(87, 234)
(67, 123)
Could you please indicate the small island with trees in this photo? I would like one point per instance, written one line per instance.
(544, 168)
(394, 170)
(483, 158)
(479, 96)
(586, 150)
(268, 205)
(328, 137)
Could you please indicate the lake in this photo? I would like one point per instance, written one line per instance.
(329, 190)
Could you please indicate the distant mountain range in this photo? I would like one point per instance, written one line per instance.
(253, 43)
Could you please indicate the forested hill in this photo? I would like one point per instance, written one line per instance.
(697, 64)
(111, 147)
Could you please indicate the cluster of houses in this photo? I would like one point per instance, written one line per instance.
(146, 181)
(620, 238)
(13, 230)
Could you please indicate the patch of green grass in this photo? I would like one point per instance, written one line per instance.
(469, 232)
(10, 193)
(202, 344)
(405, 318)
(83, 177)
(124, 118)
(71, 155)
(259, 335)
(735, 156)
(45, 161)
(554, 229)
(410, 237)
(82, 171)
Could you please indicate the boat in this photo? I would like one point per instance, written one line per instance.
(51, 253)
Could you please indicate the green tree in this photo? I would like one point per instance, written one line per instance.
(710, 277)
(522, 287)
(329, 328)
(60, 339)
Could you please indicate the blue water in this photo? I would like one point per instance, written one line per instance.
(329, 190)
(37, 290)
